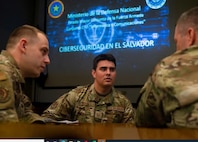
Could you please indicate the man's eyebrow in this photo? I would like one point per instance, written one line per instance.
(103, 67)
(45, 48)
(107, 67)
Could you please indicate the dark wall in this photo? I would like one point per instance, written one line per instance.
(13, 14)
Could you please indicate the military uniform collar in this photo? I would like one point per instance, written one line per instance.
(14, 65)
(193, 47)
(93, 96)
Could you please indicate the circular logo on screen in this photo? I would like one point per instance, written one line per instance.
(55, 9)
(155, 4)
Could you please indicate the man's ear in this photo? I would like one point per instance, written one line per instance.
(22, 45)
(93, 72)
(191, 36)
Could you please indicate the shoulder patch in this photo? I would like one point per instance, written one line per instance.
(4, 96)
(3, 76)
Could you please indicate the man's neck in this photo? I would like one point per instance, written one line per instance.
(102, 90)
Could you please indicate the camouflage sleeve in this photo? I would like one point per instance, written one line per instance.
(29, 115)
(149, 112)
(169, 97)
(63, 107)
(129, 113)
(7, 104)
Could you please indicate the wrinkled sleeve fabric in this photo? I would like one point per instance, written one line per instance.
(63, 107)
(122, 101)
(129, 113)
(149, 112)
(28, 114)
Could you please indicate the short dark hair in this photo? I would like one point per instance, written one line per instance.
(101, 57)
(188, 18)
(24, 30)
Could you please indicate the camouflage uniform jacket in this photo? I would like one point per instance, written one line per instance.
(14, 105)
(83, 104)
(170, 95)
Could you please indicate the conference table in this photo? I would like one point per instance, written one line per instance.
(94, 131)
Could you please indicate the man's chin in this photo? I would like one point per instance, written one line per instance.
(36, 75)
(108, 84)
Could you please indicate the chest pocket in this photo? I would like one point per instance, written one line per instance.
(89, 113)
(84, 111)
(114, 114)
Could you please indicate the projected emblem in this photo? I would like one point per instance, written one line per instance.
(55, 9)
(96, 31)
(155, 4)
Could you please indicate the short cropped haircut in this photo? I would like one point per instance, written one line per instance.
(102, 57)
(188, 19)
(23, 31)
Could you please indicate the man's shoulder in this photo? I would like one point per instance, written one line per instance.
(120, 95)
(3, 75)
(5, 64)
(79, 90)
(76, 93)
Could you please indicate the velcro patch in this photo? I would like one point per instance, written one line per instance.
(115, 108)
(3, 95)
(3, 76)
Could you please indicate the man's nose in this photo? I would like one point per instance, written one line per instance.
(47, 60)
(108, 71)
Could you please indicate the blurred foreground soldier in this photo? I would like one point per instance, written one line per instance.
(170, 95)
(26, 55)
(99, 102)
